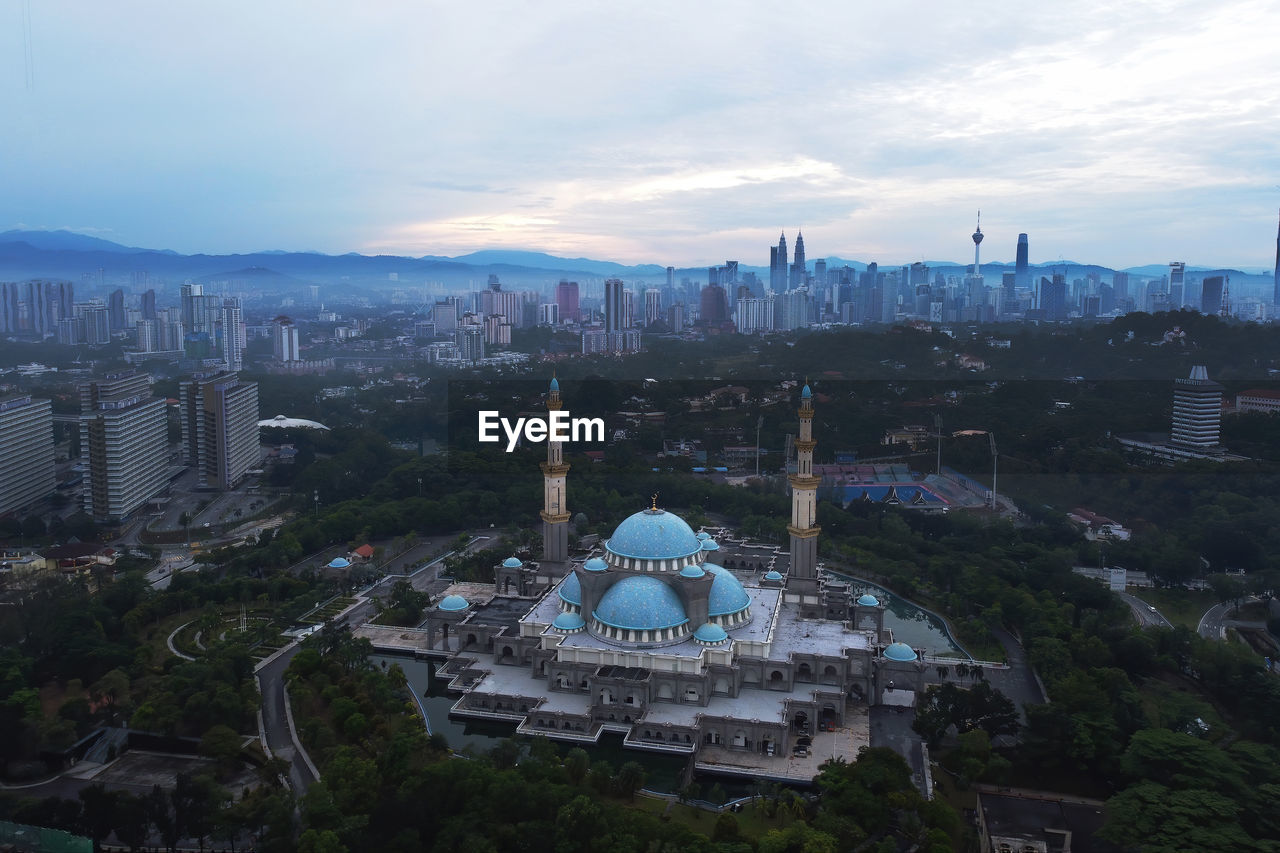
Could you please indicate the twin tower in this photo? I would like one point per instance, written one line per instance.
(802, 583)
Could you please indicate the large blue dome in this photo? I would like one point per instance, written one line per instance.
(900, 652)
(641, 603)
(727, 594)
(571, 590)
(653, 534)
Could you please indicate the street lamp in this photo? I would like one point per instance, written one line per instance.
(316, 496)
(419, 487)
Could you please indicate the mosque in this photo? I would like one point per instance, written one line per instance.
(674, 640)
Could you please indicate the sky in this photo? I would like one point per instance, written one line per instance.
(665, 132)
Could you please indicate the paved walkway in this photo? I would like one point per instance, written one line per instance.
(169, 642)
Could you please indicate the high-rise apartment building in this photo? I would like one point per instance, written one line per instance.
(1197, 410)
(713, 306)
(652, 306)
(97, 324)
(755, 315)
(26, 451)
(219, 427)
(614, 308)
(115, 307)
(124, 438)
(233, 341)
(567, 299)
(285, 338)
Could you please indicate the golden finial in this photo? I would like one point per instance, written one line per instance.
(654, 498)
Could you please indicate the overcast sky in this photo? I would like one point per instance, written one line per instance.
(667, 132)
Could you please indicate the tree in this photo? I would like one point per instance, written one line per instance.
(576, 764)
(221, 743)
(630, 779)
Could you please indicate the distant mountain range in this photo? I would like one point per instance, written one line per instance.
(66, 254)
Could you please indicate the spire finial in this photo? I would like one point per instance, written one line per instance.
(654, 501)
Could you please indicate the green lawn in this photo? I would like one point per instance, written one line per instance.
(1180, 606)
(752, 822)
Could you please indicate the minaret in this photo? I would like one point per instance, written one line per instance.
(977, 243)
(802, 582)
(555, 508)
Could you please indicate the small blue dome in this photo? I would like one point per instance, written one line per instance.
(453, 603)
(511, 563)
(772, 575)
(710, 545)
(869, 600)
(805, 393)
(653, 534)
(555, 384)
(692, 571)
(339, 563)
(710, 634)
(703, 535)
(569, 622)
(900, 652)
(641, 603)
(571, 590)
(727, 594)
(595, 564)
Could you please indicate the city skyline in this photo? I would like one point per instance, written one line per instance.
(1117, 137)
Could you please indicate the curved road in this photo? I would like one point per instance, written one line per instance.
(275, 723)
(1146, 614)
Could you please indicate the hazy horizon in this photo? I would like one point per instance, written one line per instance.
(671, 135)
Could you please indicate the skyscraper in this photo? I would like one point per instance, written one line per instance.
(1275, 299)
(219, 427)
(1177, 283)
(567, 299)
(1022, 264)
(799, 272)
(233, 337)
(123, 436)
(26, 451)
(285, 338)
(713, 306)
(1197, 410)
(115, 305)
(9, 313)
(614, 316)
(778, 265)
(1211, 294)
(149, 305)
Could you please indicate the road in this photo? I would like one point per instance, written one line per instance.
(1146, 614)
(1215, 622)
(276, 723)
(891, 727)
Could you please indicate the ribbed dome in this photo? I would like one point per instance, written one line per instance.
(727, 594)
(692, 571)
(710, 545)
(511, 563)
(772, 575)
(595, 564)
(571, 590)
(653, 534)
(641, 603)
(703, 535)
(710, 634)
(453, 603)
(900, 652)
(555, 384)
(569, 622)
(869, 600)
(805, 393)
